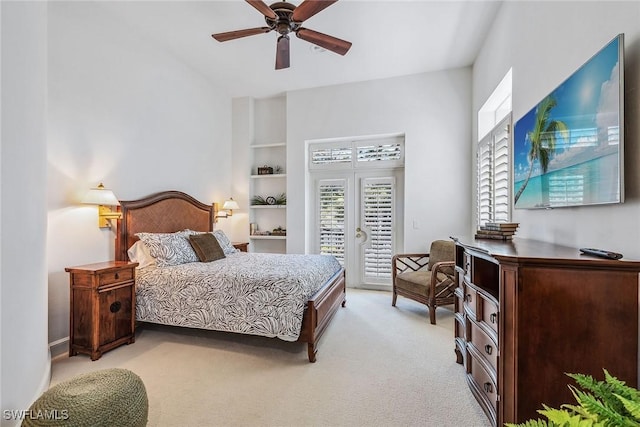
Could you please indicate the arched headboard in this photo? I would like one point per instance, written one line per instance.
(164, 212)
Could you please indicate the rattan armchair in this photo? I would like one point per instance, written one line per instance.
(426, 278)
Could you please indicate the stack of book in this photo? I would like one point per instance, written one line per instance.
(497, 230)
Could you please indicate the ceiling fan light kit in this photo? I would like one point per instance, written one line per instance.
(286, 18)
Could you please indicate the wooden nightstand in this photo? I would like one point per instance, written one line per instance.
(242, 246)
(102, 310)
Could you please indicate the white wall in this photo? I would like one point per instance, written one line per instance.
(25, 363)
(545, 42)
(431, 109)
(124, 112)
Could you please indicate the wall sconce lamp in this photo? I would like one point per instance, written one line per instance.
(227, 208)
(104, 198)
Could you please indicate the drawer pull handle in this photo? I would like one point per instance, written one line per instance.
(493, 317)
(116, 276)
(488, 349)
(488, 387)
(115, 307)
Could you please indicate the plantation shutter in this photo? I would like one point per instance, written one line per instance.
(494, 175)
(331, 214)
(378, 195)
(485, 187)
(501, 173)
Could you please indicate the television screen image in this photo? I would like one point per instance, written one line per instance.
(568, 150)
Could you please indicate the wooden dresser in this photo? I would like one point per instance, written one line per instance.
(527, 312)
(102, 310)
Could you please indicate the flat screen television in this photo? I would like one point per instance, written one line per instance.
(568, 150)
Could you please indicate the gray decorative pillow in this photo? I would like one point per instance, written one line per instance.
(206, 246)
(169, 248)
(225, 243)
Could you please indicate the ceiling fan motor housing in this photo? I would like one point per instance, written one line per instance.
(283, 24)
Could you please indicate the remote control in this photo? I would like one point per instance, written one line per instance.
(601, 253)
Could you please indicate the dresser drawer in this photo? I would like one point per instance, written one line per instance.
(119, 276)
(470, 301)
(466, 265)
(488, 313)
(484, 346)
(483, 386)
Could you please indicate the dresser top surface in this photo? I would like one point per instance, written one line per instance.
(532, 250)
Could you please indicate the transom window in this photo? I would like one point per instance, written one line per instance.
(385, 152)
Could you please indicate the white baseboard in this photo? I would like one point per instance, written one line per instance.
(59, 347)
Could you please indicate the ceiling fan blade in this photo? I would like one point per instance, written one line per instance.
(282, 52)
(232, 35)
(308, 8)
(326, 41)
(263, 8)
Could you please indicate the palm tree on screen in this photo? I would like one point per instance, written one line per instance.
(542, 139)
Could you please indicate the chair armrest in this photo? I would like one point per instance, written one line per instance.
(411, 262)
(439, 267)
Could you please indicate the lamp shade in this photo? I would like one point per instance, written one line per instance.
(230, 205)
(101, 196)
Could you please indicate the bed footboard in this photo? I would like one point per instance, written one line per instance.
(320, 309)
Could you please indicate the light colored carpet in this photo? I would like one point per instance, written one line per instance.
(377, 366)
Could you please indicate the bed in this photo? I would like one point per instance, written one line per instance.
(195, 295)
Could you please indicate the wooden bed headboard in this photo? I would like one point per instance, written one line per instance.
(164, 212)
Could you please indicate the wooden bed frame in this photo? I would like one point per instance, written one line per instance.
(171, 211)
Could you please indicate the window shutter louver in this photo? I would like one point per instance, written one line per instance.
(331, 196)
(378, 200)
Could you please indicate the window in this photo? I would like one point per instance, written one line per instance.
(385, 152)
(493, 155)
(494, 175)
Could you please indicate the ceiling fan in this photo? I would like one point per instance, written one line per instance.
(286, 18)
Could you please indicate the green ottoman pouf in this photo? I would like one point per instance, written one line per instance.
(110, 397)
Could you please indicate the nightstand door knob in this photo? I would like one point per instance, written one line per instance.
(115, 307)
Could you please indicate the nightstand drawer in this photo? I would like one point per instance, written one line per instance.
(115, 277)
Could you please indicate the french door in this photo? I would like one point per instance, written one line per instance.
(358, 219)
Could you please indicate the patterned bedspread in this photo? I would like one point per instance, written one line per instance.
(249, 293)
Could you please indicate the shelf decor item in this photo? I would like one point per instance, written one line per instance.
(265, 170)
(258, 201)
(281, 199)
(279, 231)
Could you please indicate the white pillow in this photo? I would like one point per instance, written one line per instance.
(225, 243)
(169, 248)
(140, 253)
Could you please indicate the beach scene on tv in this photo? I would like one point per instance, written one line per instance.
(567, 149)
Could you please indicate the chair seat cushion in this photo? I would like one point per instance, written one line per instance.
(417, 281)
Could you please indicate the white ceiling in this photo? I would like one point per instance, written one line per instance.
(390, 38)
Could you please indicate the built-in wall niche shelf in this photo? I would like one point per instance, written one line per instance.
(268, 181)
(274, 145)
(269, 176)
